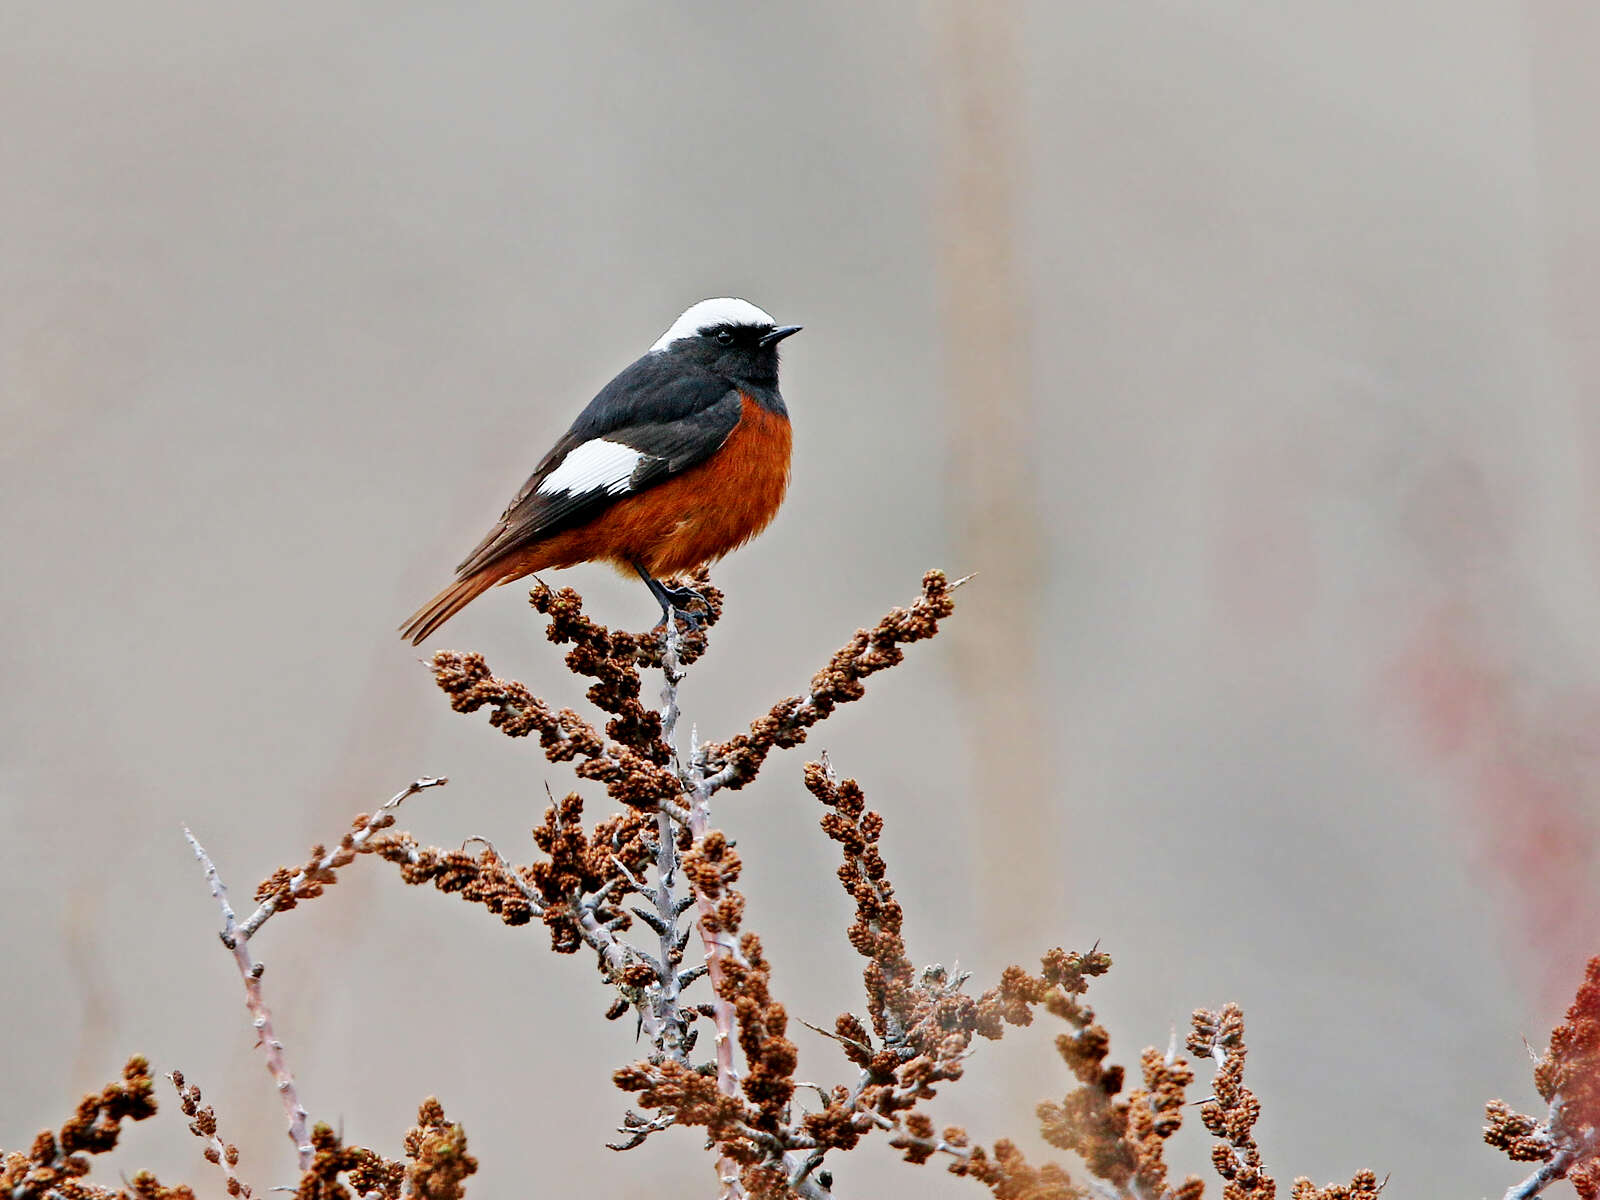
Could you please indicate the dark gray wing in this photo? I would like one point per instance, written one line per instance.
(600, 459)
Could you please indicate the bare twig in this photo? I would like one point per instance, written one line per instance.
(250, 972)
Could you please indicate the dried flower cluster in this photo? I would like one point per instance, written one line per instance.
(638, 885)
(203, 1124)
(1230, 1115)
(58, 1164)
(1567, 1141)
(736, 762)
(436, 1167)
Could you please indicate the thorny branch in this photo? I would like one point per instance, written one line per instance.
(283, 891)
(250, 971)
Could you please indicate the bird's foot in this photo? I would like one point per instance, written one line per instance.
(675, 604)
(680, 598)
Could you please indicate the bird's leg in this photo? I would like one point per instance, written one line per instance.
(674, 601)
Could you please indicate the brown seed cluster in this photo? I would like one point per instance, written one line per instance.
(744, 981)
(630, 778)
(751, 1132)
(1230, 1115)
(737, 761)
(57, 1166)
(437, 1164)
(611, 660)
(916, 1016)
(437, 1149)
(1520, 1137)
(478, 878)
(365, 1172)
(579, 863)
(1567, 1077)
(582, 863)
(691, 1098)
(1121, 1140)
(875, 934)
(1009, 1175)
(203, 1124)
(1570, 1068)
(633, 763)
(1365, 1186)
(922, 1027)
(286, 887)
(1155, 1112)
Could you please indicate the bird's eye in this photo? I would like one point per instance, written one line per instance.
(725, 336)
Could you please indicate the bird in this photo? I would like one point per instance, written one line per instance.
(680, 459)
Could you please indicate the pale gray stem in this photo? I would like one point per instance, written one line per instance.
(698, 819)
(673, 1026)
(260, 1017)
(1573, 1149)
(220, 1148)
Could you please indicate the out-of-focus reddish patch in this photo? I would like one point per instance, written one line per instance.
(1521, 786)
(1452, 696)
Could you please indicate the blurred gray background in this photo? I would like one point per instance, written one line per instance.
(1247, 350)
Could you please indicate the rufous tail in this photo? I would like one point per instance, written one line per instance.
(446, 605)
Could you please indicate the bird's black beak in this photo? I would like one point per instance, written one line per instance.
(778, 334)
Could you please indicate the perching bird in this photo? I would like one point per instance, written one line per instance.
(681, 458)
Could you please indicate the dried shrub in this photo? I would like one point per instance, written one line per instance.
(641, 883)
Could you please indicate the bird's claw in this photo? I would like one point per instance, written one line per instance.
(675, 602)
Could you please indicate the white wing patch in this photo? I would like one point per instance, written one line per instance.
(595, 466)
(724, 310)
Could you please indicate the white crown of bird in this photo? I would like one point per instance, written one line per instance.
(723, 310)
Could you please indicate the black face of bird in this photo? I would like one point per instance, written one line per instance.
(730, 337)
(740, 352)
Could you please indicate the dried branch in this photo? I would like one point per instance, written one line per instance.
(282, 891)
(1230, 1115)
